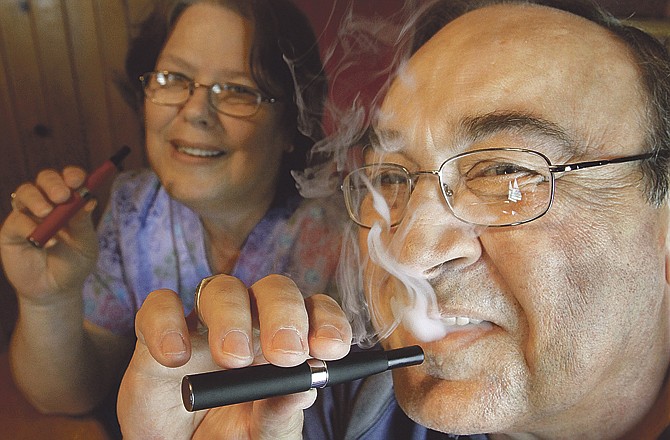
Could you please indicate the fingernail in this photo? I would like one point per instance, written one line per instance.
(172, 344)
(53, 241)
(288, 340)
(329, 332)
(236, 344)
(91, 205)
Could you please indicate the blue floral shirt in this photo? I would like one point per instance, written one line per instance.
(149, 241)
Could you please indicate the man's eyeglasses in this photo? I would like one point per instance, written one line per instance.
(171, 88)
(489, 187)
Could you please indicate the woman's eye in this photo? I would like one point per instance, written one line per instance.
(234, 88)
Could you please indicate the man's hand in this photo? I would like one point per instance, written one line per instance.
(291, 329)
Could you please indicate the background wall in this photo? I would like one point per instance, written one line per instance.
(59, 104)
(58, 101)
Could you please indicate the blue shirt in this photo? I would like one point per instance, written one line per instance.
(149, 241)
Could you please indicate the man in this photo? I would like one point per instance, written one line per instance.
(538, 290)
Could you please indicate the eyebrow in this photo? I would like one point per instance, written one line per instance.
(181, 63)
(377, 138)
(477, 128)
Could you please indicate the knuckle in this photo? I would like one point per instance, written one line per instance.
(224, 291)
(278, 287)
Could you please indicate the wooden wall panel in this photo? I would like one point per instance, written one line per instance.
(89, 69)
(24, 80)
(113, 48)
(8, 121)
(63, 119)
(59, 101)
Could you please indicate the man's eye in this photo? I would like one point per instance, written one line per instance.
(391, 178)
(493, 169)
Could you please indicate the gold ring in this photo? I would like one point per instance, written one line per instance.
(198, 290)
(12, 202)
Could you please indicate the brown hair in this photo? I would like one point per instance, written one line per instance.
(284, 60)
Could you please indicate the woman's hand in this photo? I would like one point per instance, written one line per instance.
(292, 329)
(66, 260)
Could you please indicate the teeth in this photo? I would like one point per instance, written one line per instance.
(198, 152)
(460, 320)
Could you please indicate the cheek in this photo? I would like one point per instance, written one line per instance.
(263, 136)
(586, 283)
(387, 296)
(157, 120)
(156, 117)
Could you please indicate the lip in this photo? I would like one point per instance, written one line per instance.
(429, 330)
(433, 324)
(197, 151)
(455, 343)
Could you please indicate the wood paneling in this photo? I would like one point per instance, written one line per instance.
(59, 102)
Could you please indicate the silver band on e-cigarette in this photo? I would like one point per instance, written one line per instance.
(319, 371)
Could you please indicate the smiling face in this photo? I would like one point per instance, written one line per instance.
(205, 159)
(574, 307)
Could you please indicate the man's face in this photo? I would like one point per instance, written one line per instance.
(574, 306)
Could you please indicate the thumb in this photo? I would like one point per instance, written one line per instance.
(281, 417)
(79, 228)
(82, 221)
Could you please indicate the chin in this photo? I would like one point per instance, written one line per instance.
(461, 407)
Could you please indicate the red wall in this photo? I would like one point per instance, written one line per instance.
(354, 73)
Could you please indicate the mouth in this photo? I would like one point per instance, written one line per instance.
(460, 321)
(428, 326)
(199, 152)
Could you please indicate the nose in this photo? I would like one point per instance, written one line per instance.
(197, 109)
(430, 237)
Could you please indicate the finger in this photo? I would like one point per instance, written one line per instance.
(226, 311)
(330, 332)
(80, 226)
(284, 324)
(74, 177)
(51, 183)
(16, 227)
(29, 199)
(15, 203)
(281, 417)
(161, 326)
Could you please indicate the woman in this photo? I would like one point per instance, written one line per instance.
(222, 134)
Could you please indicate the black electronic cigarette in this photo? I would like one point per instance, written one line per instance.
(228, 387)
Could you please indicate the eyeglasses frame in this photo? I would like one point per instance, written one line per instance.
(444, 189)
(193, 85)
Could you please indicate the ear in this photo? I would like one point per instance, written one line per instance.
(289, 148)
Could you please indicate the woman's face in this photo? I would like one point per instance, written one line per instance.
(206, 159)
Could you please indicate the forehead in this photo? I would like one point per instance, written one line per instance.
(518, 59)
(207, 28)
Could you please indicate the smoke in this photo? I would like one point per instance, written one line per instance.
(361, 61)
(367, 55)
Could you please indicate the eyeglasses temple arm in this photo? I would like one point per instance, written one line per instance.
(596, 163)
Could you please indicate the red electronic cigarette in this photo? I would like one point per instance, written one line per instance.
(62, 213)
